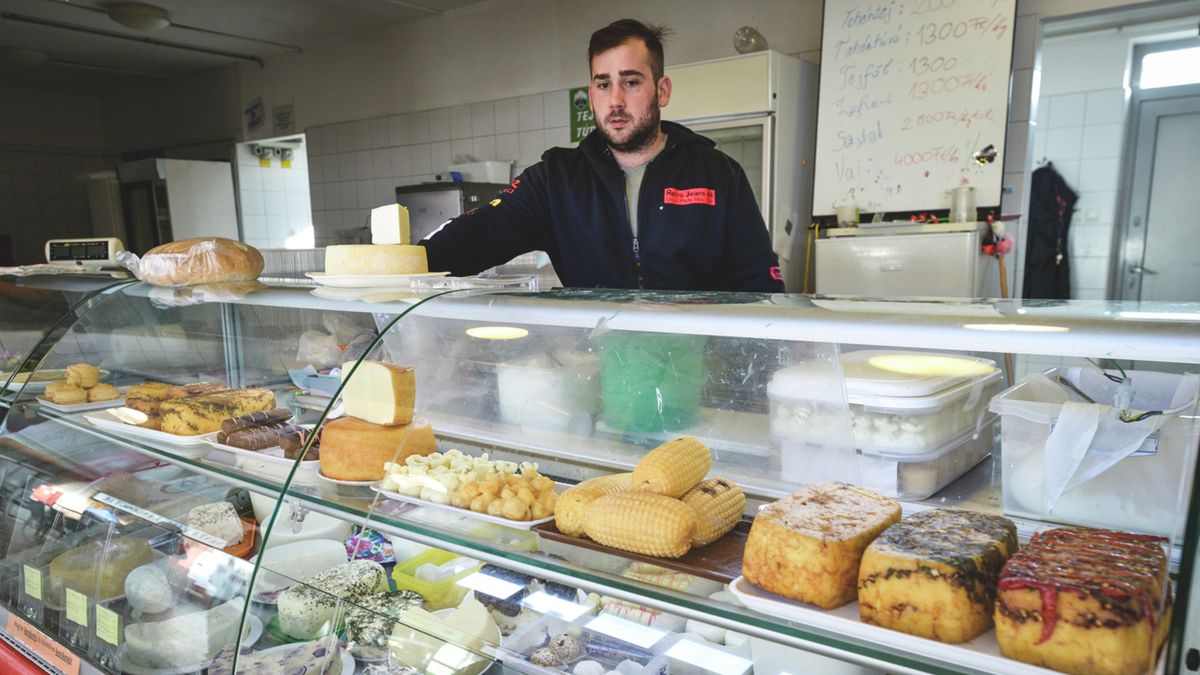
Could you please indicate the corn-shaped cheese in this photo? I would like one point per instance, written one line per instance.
(718, 504)
(568, 510)
(673, 468)
(641, 522)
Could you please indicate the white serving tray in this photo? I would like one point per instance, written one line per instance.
(982, 653)
(270, 462)
(368, 280)
(127, 665)
(82, 407)
(105, 420)
(468, 513)
(39, 385)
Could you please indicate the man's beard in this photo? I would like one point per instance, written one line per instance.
(641, 136)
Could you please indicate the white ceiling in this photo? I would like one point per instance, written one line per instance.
(91, 54)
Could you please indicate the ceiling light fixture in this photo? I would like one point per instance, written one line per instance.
(139, 16)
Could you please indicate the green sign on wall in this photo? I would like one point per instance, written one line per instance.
(582, 121)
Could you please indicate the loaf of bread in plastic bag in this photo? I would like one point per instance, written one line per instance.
(203, 260)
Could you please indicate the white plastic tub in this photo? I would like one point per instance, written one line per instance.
(554, 392)
(895, 408)
(902, 476)
(1141, 492)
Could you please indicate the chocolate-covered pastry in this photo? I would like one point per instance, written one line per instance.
(255, 438)
(256, 419)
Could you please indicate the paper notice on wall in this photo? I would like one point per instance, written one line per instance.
(283, 119)
(254, 114)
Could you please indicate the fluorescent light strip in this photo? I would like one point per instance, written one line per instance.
(490, 585)
(544, 603)
(709, 658)
(626, 631)
(1015, 328)
(1161, 316)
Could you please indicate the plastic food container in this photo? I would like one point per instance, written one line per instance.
(902, 476)
(1143, 492)
(651, 382)
(899, 402)
(552, 392)
(603, 646)
(438, 594)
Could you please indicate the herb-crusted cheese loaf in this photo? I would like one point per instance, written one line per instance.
(204, 414)
(307, 610)
(807, 546)
(934, 574)
(1085, 601)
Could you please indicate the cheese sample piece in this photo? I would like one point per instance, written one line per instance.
(352, 449)
(1085, 601)
(319, 657)
(186, 640)
(307, 611)
(389, 225)
(98, 569)
(454, 644)
(370, 259)
(378, 392)
(220, 520)
(807, 546)
(147, 589)
(285, 565)
(370, 623)
(934, 574)
(203, 414)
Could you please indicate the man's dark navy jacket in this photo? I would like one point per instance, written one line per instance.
(699, 227)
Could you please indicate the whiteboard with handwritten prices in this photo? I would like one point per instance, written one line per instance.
(910, 91)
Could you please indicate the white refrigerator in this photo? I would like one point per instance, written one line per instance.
(761, 109)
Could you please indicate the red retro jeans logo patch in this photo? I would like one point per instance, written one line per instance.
(679, 197)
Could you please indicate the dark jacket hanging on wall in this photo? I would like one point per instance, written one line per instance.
(1047, 264)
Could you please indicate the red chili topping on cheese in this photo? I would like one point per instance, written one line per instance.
(1118, 568)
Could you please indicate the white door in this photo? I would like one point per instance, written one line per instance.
(1159, 256)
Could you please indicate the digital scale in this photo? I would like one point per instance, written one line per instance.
(98, 252)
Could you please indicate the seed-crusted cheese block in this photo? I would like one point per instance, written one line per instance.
(307, 611)
(185, 640)
(220, 520)
(807, 546)
(375, 259)
(378, 392)
(96, 569)
(204, 414)
(369, 625)
(934, 574)
(352, 449)
(1085, 601)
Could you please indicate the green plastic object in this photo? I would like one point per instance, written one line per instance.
(651, 382)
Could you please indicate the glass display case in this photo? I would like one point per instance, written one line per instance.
(34, 310)
(513, 481)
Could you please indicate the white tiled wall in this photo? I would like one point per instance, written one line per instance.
(43, 196)
(276, 207)
(355, 166)
(1082, 134)
(1081, 128)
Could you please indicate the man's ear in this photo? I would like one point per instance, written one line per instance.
(664, 91)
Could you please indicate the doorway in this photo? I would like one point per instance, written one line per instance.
(1154, 247)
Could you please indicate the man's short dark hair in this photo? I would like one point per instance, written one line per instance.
(619, 32)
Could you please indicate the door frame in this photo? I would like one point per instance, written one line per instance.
(1133, 206)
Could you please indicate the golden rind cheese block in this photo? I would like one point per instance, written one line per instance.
(934, 574)
(807, 546)
(353, 449)
(1085, 601)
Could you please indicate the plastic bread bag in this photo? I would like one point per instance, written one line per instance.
(195, 295)
(188, 262)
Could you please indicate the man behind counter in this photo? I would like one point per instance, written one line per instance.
(641, 203)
